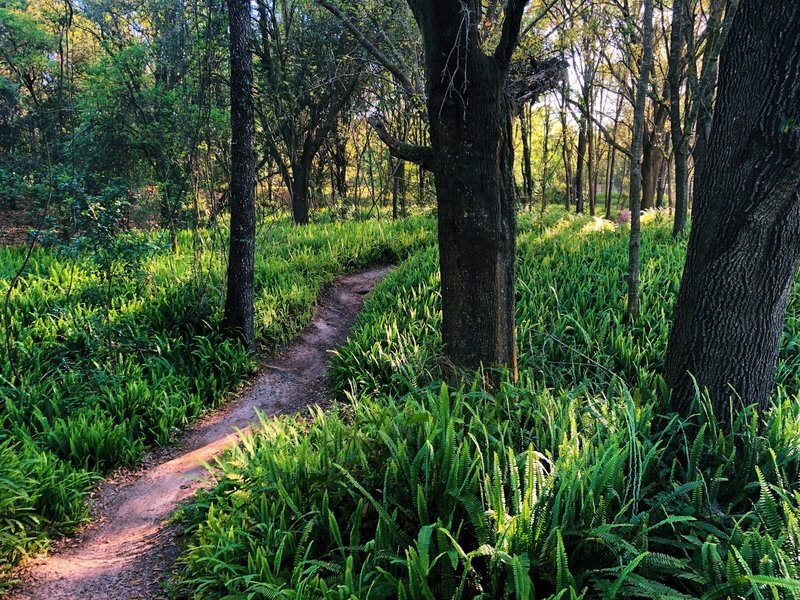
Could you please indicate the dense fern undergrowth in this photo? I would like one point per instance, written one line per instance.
(575, 482)
(110, 357)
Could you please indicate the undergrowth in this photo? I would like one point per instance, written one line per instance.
(575, 482)
(106, 362)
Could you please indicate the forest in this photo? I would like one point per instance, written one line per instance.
(400, 299)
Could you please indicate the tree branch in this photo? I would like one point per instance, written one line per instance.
(532, 78)
(420, 155)
(376, 53)
(512, 22)
(602, 128)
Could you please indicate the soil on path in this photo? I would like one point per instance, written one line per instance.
(129, 549)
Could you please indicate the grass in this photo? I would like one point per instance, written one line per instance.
(106, 366)
(575, 482)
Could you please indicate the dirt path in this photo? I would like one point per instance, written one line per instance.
(128, 550)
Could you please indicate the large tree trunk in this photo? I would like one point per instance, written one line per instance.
(471, 136)
(477, 224)
(744, 246)
(238, 317)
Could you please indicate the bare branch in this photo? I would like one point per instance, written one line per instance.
(376, 53)
(421, 155)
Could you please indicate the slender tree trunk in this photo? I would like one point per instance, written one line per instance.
(238, 317)
(680, 142)
(581, 160)
(681, 190)
(565, 153)
(545, 157)
(340, 166)
(670, 177)
(744, 246)
(650, 167)
(527, 173)
(636, 154)
(663, 173)
(625, 167)
(612, 160)
(591, 167)
(332, 177)
(301, 173)
(399, 189)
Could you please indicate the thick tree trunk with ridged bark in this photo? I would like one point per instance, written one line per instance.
(471, 137)
(744, 245)
(238, 317)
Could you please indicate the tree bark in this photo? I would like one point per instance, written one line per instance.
(612, 160)
(651, 164)
(545, 157)
(340, 166)
(527, 173)
(300, 186)
(471, 137)
(661, 182)
(744, 246)
(566, 155)
(238, 316)
(399, 190)
(653, 156)
(581, 159)
(680, 142)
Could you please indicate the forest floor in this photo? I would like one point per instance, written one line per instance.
(14, 226)
(130, 548)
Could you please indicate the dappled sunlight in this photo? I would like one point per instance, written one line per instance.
(596, 225)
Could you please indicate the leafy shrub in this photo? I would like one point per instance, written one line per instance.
(575, 482)
(527, 494)
(13, 188)
(100, 368)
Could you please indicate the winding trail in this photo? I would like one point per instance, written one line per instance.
(129, 549)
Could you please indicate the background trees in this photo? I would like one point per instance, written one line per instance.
(309, 71)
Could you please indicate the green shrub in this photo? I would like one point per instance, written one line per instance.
(102, 367)
(526, 494)
(575, 482)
